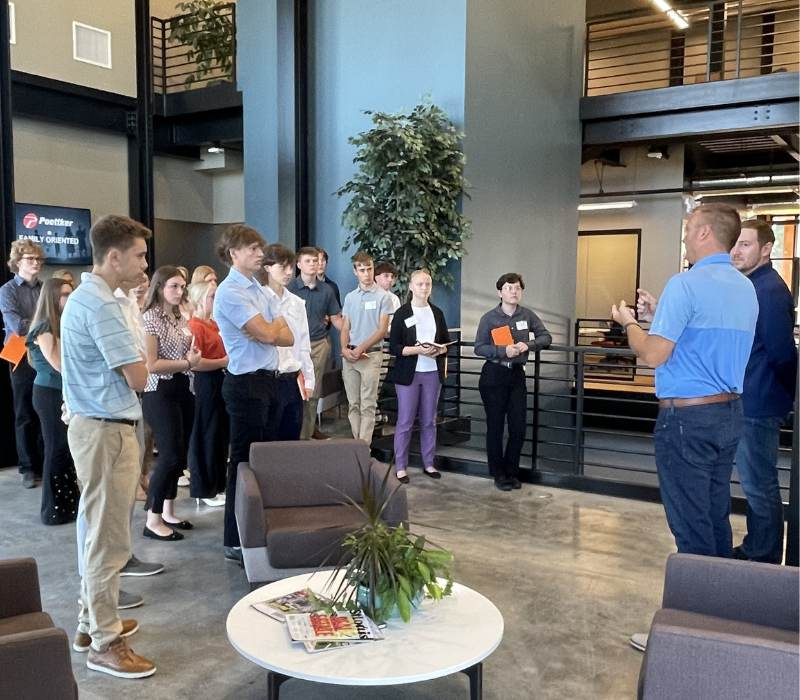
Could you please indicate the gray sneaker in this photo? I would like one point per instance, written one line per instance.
(639, 641)
(135, 567)
(128, 600)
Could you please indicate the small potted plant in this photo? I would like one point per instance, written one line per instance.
(207, 30)
(388, 569)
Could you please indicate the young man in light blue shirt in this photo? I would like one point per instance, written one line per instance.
(102, 370)
(251, 328)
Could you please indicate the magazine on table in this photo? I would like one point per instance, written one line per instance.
(303, 601)
(335, 627)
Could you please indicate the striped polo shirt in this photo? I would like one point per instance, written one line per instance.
(710, 313)
(95, 341)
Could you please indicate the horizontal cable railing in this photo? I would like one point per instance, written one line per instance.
(722, 40)
(591, 412)
(191, 52)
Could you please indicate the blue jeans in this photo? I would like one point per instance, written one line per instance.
(695, 447)
(756, 462)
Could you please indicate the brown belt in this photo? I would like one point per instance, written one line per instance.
(699, 400)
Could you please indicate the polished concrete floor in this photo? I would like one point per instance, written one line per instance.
(573, 575)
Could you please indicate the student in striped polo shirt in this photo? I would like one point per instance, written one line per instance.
(102, 370)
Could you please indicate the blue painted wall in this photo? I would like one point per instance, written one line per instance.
(385, 55)
(257, 75)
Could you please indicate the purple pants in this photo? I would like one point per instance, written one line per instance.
(418, 399)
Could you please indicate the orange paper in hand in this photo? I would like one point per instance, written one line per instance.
(502, 336)
(14, 350)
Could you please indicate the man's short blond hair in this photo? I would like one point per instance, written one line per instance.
(724, 222)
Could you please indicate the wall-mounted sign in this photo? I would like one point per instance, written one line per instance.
(63, 232)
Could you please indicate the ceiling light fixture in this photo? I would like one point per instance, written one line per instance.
(736, 193)
(677, 18)
(658, 152)
(216, 149)
(599, 206)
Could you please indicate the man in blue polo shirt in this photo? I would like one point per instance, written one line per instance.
(699, 343)
(250, 325)
(768, 395)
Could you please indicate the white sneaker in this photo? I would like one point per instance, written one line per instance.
(639, 641)
(184, 480)
(218, 500)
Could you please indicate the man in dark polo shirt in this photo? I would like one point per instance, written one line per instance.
(769, 385)
(322, 310)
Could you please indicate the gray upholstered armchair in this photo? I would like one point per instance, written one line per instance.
(289, 509)
(726, 629)
(34, 653)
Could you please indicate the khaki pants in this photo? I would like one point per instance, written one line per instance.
(106, 457)
(320, 355)
(361, 380)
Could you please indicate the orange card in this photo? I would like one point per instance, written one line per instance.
(502, 336)
(14, 350)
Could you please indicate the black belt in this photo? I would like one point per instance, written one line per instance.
(373, 349)
(271, 373)
(286, 376)
(121, 421)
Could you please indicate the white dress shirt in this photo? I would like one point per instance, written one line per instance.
(298, 356)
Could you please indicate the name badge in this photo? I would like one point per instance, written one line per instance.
(522, 325)
(411, 322)
(531, 336)
(370, 305)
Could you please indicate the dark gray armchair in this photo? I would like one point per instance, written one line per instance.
(726, 629)
(289, 509)
(34, 653)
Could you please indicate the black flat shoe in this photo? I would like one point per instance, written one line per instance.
(181, 525)
(404, 479)
(172, 537)
(432, 474)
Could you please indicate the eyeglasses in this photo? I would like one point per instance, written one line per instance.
(33, 258)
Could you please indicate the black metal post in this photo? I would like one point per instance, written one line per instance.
(140, 130)
(716, 41)
(793, 514)
(301, 122)
(579, 378)
(8, 456)
(274, 683)
(767, 42)
(475, 675)
(537, 370)
(677, 57)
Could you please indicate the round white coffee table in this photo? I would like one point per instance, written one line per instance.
(454, 635)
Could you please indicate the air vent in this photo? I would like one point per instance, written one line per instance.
(12, 24)
(91, 45)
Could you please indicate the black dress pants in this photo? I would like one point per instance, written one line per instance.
(287, 412)
(60, 492)
(504, 399)
(27, 429)
(169, 411)
(248, 399)
(208, 445)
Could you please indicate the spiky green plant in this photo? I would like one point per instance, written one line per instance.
(391, 562)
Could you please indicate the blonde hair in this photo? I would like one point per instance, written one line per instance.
(22, 247)
(62, 274)
(201, 272)
(198, 291)
(417, 273)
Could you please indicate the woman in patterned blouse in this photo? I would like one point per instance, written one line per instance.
(168, 404)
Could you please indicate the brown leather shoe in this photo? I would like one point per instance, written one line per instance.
(319, 435)
(83, 641)
(120, 660)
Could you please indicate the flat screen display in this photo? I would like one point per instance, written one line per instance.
(63, 232)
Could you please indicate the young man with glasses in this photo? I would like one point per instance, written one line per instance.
(18, 299)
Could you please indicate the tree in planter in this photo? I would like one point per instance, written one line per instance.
(207, 32)
(405, 197)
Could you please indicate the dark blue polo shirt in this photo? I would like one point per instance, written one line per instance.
(320, 302)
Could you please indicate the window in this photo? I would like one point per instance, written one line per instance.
(91, 45)
(12, 24)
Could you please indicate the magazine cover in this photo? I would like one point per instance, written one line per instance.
(304, 601)
(315, 647)
(335, 627)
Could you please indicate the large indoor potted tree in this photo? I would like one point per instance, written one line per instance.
(206, 29)
(405, 199)
(385, 569)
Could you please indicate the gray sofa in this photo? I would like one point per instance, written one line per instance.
(34, 654)
(727, 629)
(289, 509)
